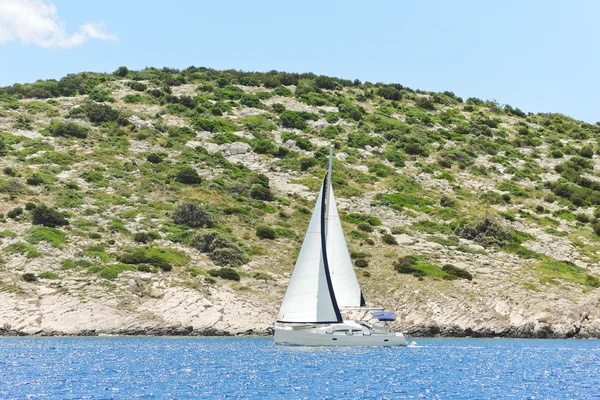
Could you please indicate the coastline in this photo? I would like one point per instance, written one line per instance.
(528, 331)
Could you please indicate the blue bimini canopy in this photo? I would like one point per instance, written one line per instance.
(384, 315)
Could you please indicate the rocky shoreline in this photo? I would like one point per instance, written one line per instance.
(528, 331)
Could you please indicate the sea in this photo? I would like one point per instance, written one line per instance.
(254, 368)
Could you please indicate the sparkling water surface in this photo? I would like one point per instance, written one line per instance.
(180, 368)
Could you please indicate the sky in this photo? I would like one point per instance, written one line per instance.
(539, 56)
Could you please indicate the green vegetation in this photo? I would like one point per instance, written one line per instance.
(51, 235)
(131, 164)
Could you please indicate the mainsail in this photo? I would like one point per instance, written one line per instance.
(309, 297)
(345, 284)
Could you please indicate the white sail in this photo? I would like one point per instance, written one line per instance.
(308, 297)
(345, 285)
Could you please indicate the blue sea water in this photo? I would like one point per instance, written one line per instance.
(249, 368)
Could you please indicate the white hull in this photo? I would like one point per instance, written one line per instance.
(349, 333)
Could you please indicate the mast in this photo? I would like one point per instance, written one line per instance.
(328, 185)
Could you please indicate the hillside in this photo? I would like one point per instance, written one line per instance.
(175, 202)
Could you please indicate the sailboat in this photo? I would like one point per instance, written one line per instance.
(323, 285)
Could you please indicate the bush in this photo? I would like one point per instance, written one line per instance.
(188, 176)
(137, 86)
(405, 265)
(390, 93)
(265, 232)
(225, 273)
(222, 249)
(154, 158)
(29, 277)
(487, 232)
(99, 113)
(14, 213)
(388, 239)
(46, 216)
(425, 102)
(361, 263)
(264, 146)
(67, 129)
(307, 163)
(364, 227)
(446, 201)
(283, 91)
(259, 192)
(193, 215)
(586, 151)
(292, 119)
(452, 155)
(139, 256)
(457, 272)
(233, 256)
(596, 227)
(121, 71)
(141, 237)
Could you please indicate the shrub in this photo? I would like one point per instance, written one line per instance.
(592, 281)
(233, 256)
(67, 129)
(365, 227)
(390, 93)
(121, 71)
(46, 216)
(265, 232)
(584, 218)
(29, 277)
(188, 176)
(357, 218)
(446, 201)
(307, 163)
(259, 192)
(405, 265)
(264, 146)
(159, 262)
(99, 113)
(487, 232)
(586, 151)
(137, 86)
(292, 119)
(388, 239)
(222, 249)
(30, 206)
(193, 215)
(141, 237)
(425, 102)
(225, 273)
(14, 213)
(361, 263)
(154, 158)
(596, 227)
(144, 268)
(457, 272)
(283, 91)
(452, 155)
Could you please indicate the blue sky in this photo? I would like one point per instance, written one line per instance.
(540, 56)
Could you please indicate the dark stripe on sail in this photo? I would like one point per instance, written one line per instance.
(362, 300)
(324, 252)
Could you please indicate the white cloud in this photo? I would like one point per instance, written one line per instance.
(35, 22)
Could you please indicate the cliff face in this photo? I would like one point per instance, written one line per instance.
(466, 218)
